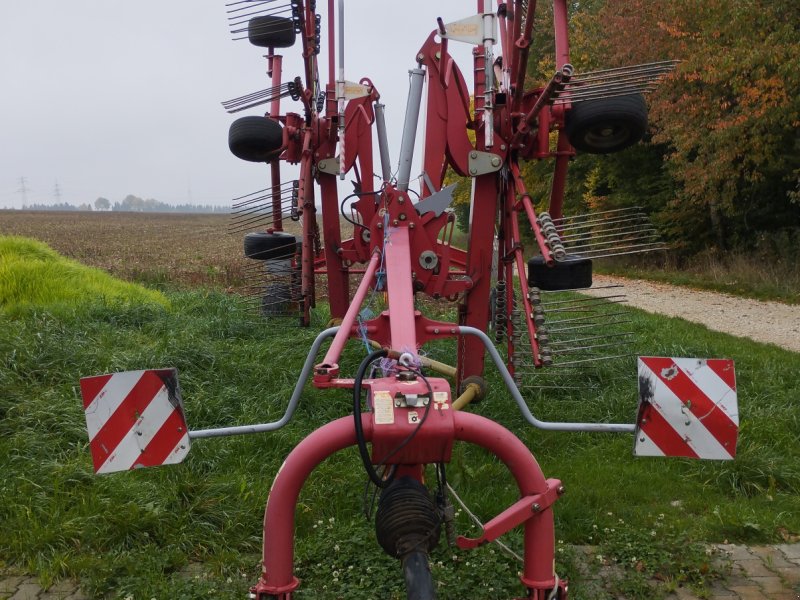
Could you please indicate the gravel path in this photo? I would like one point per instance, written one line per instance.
(769, 322)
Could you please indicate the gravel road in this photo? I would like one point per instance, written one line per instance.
(769, 322)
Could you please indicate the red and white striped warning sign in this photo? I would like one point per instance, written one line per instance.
(134, 419)
(687, 407)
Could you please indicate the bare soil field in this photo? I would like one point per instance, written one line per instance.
(183, 249)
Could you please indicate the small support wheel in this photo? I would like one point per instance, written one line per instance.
(255, 139)
(270, 31)
(607, 125)
(269, 246)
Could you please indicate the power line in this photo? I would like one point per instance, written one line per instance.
(23, 190)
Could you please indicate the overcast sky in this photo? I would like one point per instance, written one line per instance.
(109, 98)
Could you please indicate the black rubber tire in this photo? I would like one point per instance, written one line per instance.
(255, 139)
(607, 125)
(571, 274)
(271, 32)
(269, 246)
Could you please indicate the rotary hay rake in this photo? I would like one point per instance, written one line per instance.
(401, 246)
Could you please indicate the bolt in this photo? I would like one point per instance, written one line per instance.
(403, 217)
(496, 161)
(436, 331)
(560, 490)
(323, 164)
(394, 222)
(420, 57)
(473, 155)
(473, 171)
(411, 225)
(536, 507)
(401, 199)
(180, 429)
(502, 146)
(438, 55)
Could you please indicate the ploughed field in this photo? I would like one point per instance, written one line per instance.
(151, 248)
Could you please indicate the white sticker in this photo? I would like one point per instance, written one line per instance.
(384, 408)
(413, 417)
(440, 397)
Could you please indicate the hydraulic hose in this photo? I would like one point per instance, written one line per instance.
(362, 443)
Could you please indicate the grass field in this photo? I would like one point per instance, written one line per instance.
(131, 534)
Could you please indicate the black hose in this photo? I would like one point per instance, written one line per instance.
(419, 581)
(362, 443)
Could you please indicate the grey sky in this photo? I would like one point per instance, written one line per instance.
(112, 98)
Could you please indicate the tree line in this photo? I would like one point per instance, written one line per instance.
(130, 203)
(720, 168)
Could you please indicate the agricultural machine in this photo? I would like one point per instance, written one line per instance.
(408, 410)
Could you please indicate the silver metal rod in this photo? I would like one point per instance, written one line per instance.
(585, 360)
(383, 141)
(293, 401)
(416, 80)
(603, 233)
(641, 251)
(592, 215)
(664, 63)
(580, 300)
(523, 407)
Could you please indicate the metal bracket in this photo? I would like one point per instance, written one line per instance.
(481, 163)
(517, 514)
(329, 166)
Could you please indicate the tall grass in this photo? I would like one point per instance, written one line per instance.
(32, 275)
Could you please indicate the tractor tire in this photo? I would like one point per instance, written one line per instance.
(269, 246)
(255, 139)
(572, 274)
(607, 125)
(270, 31)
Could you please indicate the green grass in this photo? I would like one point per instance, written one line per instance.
(131, 534)
(33, 276)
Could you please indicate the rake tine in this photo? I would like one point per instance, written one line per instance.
(620, 250)
(580, 300)
(592, 215)
(640, 251)
(600, 232)
(585, 360)
(591, 338)
(587, 326)
(603, 245)
(247, 5)
(663, 63)
(559, 351)
(583, 319)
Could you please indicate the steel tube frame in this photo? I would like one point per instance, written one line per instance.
(279, 517)
(416, 79)
(335, 351)
(523, 407)
(305, 373)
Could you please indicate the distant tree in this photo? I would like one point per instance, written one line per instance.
(102, 204)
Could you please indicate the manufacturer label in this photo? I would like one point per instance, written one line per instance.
(383, 404)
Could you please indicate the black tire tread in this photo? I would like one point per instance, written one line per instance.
(269, 246)
(628, 113)
(255, 139)
(270, 31)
